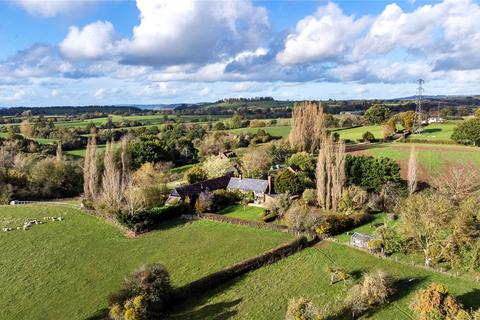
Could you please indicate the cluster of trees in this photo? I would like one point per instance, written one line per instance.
(33, 176)
(117, 185)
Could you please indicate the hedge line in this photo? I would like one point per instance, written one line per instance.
(431, 141)
(218, 278)
(253, 224)
(148, 219)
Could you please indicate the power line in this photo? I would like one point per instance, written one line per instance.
(418, 111)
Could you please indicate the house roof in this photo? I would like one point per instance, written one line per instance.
(256, 185)
(196, 188)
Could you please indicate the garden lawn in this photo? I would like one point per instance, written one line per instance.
(433, 159)
(66, 269)
(264, 293)
(243, 212)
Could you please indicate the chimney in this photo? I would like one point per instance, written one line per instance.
(269, 184)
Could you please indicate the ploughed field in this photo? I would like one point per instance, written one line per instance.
(66, 269)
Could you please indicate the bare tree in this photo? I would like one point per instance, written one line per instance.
(90, 170)
(412, 171)
(59, 155)
(111, 180)
(308, 127)
(330, 173)
(457, 183)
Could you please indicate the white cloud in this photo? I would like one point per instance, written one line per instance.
(90, 42)
(325, 36)
(100, 93)
(55, 93)
(190, 31)
(205, 92)
(50, 8)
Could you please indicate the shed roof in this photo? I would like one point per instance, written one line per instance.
(256, 185)
(362, 237)
(195, 188)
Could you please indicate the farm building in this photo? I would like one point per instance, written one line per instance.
(361, 240)
(193, 190)
(259, 187)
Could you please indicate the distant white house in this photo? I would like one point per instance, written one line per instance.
(435, 120)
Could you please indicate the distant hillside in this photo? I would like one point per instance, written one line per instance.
(51, 111)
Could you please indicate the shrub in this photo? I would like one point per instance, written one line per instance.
(374, 289)
(196, 174)
(224, 198)
(390, 239)
(302, 218)
(309, 197)
(434, 302)
(302, 309)
(368, 137)
(204, 202)
(146, 219)
(288, 182)
(145, 293)
(354, 198)
(279, 206)
(333, 224)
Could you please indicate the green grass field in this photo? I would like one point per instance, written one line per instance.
(80, 153)
(278, 131)
(357, 133)
(432, 158)
(65, 270)
(440, 131)
(264, 293)
(243, 212)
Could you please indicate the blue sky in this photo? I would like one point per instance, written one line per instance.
(161, 51)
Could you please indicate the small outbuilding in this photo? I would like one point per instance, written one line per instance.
(361, 240)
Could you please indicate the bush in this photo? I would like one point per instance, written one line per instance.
(434, 302)
(354, 198)
(143, 295)
(333, 224)
(145, 220)
(368, 137)
(375, 289)
(288, 182)
(279, 206)
(196, 174)
(309, 197)
(302, 218)
(302, 309)
(224, 198)
(390, 239)
(204, 202)
(371, 173)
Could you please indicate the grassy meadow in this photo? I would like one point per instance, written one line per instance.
(433, 159)
(66, 269)
(264, 293)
